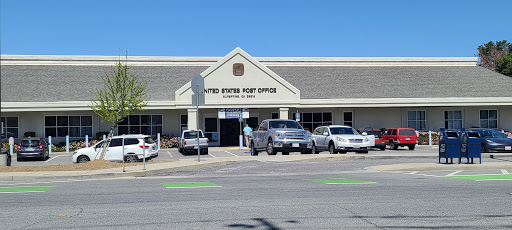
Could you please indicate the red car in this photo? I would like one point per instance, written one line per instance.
(395, 137)
(380, 142)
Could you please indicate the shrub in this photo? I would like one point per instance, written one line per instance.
(168, 142)
(423, 138)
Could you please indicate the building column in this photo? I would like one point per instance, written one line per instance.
(191, 124)
(283, 113)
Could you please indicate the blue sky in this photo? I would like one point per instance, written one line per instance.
(262, 28)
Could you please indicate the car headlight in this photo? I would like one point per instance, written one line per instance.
(341, 139)
(489, 141)
(279, 135)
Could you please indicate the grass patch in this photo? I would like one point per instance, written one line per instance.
(26, 189)
(484, 177)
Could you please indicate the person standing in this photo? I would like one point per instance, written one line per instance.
(247, 132)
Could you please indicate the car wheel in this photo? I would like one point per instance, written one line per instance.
(82, 159)
(180, 150)
(382, 148)
(204, 152)
(331, 149)
(393, 146)
(254, 152)
(131, 158)
(270, 148)
(482, 149)
(411, 147)
(286, 153)
(314, 149)
(366, 151)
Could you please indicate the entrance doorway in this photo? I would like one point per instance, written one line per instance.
(229, 132)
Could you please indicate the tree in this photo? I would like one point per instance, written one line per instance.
(122, 94)
(489, 53)
(504, 65)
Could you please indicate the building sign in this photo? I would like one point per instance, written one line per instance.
(239, 92)
(233, 113)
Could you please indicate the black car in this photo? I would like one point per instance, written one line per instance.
(32, 147)
(494, 141)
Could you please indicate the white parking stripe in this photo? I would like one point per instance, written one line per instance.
(232, 154)
(412, 173)
(51, 159)
(504, 171)
(453, 173)
(169, 153)
(212, 155)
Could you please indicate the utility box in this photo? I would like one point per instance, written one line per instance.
(470, 146)
(449, 145)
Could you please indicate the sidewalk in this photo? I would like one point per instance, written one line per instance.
(188, 164)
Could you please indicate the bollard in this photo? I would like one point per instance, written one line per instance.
(50, 144)
(430, 138)
(104, 137)
(87, 141)
(158, 137)
(11, 148)
(67, 143)
(11, 144)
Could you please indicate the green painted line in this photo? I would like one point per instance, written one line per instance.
(484, 177)
(26, 189)
(341, 181)
(190, 185)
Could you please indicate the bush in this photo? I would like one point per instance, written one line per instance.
(423, 138)
(168, 142)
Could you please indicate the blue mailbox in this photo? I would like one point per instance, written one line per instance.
(449, 145)
(470, 145)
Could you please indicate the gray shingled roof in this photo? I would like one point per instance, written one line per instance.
(77, 83)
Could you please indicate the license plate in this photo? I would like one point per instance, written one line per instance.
(356, 146)
(30, 149)
(407, 139)
(376, 138)
(295, 145)
(195, 147)
(508, 147)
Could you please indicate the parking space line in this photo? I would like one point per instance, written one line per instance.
(51, 159)
(412, 173)
(504, 171)
(212, 155)
(453, 173)
(232, 154)
(169, 153)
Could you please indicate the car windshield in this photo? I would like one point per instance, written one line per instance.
(284, 124)
(343, 130)
(491, 134)
(406, 132)
(192, 134)
(30, 143)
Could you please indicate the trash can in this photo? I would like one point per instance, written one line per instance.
(449, 145)
(470, 145)
(5, 157)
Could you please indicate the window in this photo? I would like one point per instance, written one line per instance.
(10, 127)
(116, 142)
(348, 119)
(275, 115)
(310, 121)
(184, 122)
(210, 129)
(131, 141)
(416, 120)
(489, 119)
(453, 119)
(61, 126)
(141, 124)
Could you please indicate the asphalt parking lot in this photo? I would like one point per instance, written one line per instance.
(218, 152)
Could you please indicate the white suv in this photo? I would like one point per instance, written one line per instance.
(133, 148)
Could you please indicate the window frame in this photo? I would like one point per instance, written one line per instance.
(10, 127)
(416, 121)
(68, 125)
(447, 120)
(313, 122)
(488, 119)
(141, 125)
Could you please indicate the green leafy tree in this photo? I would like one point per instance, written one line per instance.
(122, 94)
(490, 52)
(504, 65)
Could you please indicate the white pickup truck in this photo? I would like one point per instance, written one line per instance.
(188, 142)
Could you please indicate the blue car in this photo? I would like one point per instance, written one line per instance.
(494, 141)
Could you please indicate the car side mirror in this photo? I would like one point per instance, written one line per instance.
(365, 133)
(326, 133)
